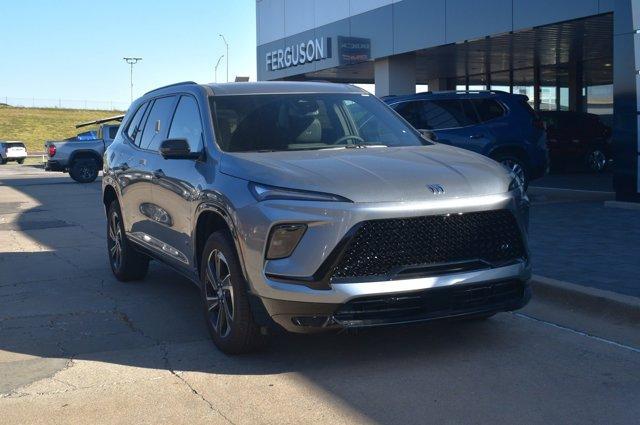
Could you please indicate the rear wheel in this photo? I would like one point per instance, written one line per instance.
(126, 263)
(2, 160)
(84, 170)
(225, 299)
(21, 161)
(596, 160)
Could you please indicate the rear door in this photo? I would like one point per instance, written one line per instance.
(141, 163)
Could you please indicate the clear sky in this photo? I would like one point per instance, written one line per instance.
(73, 49)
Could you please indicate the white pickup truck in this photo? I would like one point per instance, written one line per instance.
(82, 159)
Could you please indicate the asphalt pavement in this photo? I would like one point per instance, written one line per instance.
(77, 346)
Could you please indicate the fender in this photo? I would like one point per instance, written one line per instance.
(220, 205)
(511, 146)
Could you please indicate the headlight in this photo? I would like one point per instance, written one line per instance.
(284, 239)
(263, 193)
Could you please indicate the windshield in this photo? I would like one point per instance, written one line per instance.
(284, 122)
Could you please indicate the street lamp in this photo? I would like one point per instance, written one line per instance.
(227, 45)
(216, 68)
(131, 62)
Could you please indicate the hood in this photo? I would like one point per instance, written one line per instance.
(393, 174)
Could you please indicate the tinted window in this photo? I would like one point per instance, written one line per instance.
(134, 125)
(306, 122)
(410, 111)
(112, 132)
(488, 109)
(156, 126)
(441, 114)
(186, 123)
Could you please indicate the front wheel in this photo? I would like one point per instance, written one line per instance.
(516, 166)
(126, 263)
(225, 299)
(21, 161)
(84, 170)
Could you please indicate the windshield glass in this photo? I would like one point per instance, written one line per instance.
(284, 122)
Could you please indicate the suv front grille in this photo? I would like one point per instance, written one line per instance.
(389, 247)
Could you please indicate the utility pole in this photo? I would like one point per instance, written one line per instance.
(227, 45)
(216, 68)
(131, 62)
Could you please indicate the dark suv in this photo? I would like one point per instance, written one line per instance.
(496, 124)
(313, 206)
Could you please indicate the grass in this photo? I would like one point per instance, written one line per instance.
(34, 126)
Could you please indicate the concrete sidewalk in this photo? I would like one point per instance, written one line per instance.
(588, 244)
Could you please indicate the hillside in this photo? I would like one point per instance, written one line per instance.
(34, 126)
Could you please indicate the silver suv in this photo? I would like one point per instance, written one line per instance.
(311, 206)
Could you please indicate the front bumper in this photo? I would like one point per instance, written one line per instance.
(461, 300)
(286, 286)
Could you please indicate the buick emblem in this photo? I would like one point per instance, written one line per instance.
(436, 189)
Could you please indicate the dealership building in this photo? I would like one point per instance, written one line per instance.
(578, 55)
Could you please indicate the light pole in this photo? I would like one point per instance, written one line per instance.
(227, 45)
(216, 68)
(131, 62)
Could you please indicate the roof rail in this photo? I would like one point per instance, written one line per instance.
(171, 85)
(118, 118)
(471, 91)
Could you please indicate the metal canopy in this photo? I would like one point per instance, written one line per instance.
(554, 46)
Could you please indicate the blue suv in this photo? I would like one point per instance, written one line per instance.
(496, 124)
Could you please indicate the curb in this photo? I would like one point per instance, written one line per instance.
(590, 300)
(623, 205)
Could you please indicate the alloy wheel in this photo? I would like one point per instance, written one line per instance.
(219, 294)
(115, 241)
(85, 172)
(516, 168)
(596, 160)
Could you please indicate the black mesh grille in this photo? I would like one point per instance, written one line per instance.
(433, 303)
(390, 246)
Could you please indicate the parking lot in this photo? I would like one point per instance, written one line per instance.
(77, 346)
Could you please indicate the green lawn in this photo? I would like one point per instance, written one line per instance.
(34, 126)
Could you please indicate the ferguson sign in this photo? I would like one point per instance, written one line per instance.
(299, 54)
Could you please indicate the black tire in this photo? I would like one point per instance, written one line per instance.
(21, 161)
(84, 170)
(126, 262)
(225, 300)
(515, 164)
(2, 161)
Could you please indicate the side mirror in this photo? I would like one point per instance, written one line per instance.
(428, 134)
(177, 149)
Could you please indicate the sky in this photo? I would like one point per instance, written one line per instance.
(73, 49)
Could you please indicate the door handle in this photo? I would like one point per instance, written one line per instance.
(158, 173)
(476, 136)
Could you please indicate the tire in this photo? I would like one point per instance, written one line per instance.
(21, 161)
(225, 300)
(84, 170)
(596, 161)
(515, 164)
(2, 161)
(126, 262)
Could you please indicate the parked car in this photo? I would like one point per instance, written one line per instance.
(312, 206)
(496, 124)
(578, 138)
(81, 157)
(12, 150)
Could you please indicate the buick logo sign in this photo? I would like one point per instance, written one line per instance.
(436, 189)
